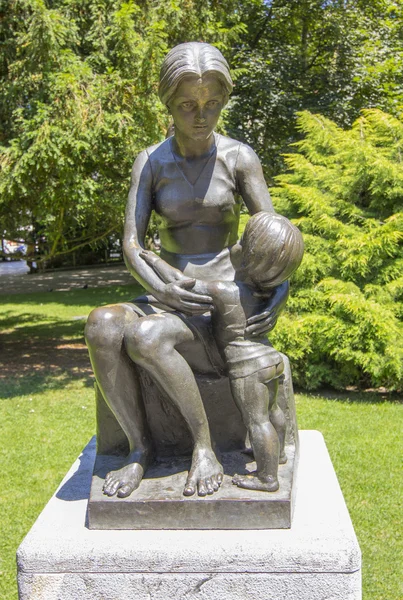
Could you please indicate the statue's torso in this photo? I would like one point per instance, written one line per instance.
(199, 218)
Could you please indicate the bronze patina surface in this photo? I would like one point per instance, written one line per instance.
(187, 368)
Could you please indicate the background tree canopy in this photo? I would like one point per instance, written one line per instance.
(332, 57)
(78, 101)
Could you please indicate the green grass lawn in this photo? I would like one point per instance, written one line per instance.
(47, 416)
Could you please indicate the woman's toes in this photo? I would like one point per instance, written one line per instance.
(125, 490)
(190, 488)
(111, 488)
(209, 486)
(202, 491)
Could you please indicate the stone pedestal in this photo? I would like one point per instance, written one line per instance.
(317, 559)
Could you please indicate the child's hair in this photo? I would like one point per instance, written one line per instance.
(272, 249)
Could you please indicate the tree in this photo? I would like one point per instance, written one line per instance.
(79, 101)
(344, 190)
(334, 57)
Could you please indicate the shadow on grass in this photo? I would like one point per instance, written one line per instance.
(371, 396)
(42, 356)
(9, 320)
(40, 351)
(36, 383)
(37, 328)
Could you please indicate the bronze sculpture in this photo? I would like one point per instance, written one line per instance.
(194, 181)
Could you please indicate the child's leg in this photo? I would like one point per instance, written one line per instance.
(277, 417)
(252, 398)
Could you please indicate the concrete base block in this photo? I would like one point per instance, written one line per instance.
(317, 559)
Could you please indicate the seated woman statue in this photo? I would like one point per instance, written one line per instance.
(195, 182)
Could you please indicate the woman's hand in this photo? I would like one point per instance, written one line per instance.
(266, 321)
(164, 271)
(177, 295)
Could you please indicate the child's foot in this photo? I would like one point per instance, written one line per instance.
(253, 482)
(205, 475)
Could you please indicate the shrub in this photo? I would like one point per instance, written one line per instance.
(344, 190)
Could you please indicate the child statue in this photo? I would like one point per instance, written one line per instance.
(269, 251)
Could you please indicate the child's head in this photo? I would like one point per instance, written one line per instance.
(272, 249)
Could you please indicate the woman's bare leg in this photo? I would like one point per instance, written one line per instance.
(152, 345)
(118, 381)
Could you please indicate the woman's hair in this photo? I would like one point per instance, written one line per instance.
(193, 59)
(272, 249)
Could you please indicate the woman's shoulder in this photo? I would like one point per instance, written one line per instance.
(156, 151)
(245, 154)
(151, 156)
(229, 142)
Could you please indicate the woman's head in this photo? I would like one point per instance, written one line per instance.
(193, 59)
(272, 249)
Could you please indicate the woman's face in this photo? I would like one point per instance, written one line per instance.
(196, 107)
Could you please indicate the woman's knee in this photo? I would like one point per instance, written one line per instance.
(105, 325)
(152, 337)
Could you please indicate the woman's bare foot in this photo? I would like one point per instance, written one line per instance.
(127, 479)
(205, 475)
(253, 482)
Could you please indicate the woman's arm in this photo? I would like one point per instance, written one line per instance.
(139, 205)
(169, 274)
(266, 320)
(253, 189)
(251, 183)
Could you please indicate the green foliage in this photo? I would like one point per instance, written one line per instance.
(344, 190)
(330, 57)
(79, 79)
(79, 101)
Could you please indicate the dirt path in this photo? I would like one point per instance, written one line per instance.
(15, 280)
